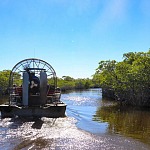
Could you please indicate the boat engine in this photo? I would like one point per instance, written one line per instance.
(34, 88)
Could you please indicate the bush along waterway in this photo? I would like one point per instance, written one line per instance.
(91, 123)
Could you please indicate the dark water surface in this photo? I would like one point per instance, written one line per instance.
(91, 124)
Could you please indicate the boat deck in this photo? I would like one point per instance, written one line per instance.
(54, 110)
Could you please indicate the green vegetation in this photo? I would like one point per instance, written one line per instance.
(4, 80)
(127, 81)
(69, 83)
(65, 83)
(127, 121)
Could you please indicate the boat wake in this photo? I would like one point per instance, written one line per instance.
(52, 133)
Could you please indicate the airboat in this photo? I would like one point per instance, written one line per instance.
(33, 91)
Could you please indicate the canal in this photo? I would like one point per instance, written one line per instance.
(92, 123)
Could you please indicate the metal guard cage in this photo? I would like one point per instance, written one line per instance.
(35, 65)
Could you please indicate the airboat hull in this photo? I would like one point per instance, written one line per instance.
(50, 111)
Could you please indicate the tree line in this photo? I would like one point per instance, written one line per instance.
(65, 83)
(127, 81)
(4, 81)
(69, 83)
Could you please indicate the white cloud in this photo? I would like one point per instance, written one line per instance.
(113, 11)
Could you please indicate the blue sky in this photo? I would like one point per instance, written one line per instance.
(72, 35)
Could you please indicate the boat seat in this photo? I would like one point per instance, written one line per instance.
(50, 91)
(18, 91)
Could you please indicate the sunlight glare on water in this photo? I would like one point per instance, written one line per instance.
(50, 133)
(23, 133)
(77, 131)
(78, 100)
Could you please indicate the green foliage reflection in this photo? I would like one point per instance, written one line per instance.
(127, 121)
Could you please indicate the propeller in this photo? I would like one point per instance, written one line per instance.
(33, 84)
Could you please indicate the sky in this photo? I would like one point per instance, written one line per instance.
(72, 35)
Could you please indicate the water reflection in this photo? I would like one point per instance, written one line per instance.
(85, 110)
(127, 121)
(60, 134)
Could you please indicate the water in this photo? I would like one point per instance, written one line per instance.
(91, 123)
